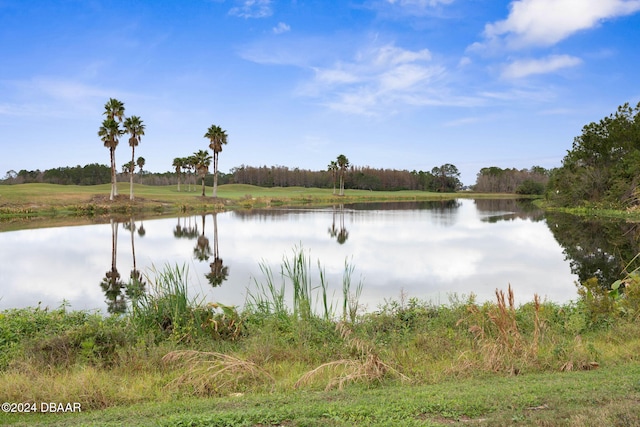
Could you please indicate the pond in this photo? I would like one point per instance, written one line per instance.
(426, 250)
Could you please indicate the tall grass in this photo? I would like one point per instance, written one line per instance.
(167, 309)
(310, 296)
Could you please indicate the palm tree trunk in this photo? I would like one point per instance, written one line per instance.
(112, 152)
(215, 175)
(131, 168)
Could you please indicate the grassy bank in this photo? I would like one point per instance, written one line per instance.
(51, 200)
(293, 356)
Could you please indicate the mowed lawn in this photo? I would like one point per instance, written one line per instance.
(42, 195)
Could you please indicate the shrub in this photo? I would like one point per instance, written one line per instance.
(531, 187)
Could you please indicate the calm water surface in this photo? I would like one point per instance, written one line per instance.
(427, 250)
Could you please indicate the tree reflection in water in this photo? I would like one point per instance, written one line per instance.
(117, 292)
(136, 286)
(598, 249)
(111, 284)
(341, 234)
(202, 251)
(219, 272)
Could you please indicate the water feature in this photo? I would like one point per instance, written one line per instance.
(427, 250)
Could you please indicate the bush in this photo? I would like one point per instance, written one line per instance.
(531, 187)
(96, 342)
(18, 326)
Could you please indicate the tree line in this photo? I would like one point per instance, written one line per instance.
(442, 178)
(524, 181)
(602, 169)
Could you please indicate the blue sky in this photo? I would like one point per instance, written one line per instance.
(403, 84)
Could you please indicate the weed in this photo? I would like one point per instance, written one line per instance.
(295, 274)
(501, 345)
(366, 366)
(211, 373)
(167, 310)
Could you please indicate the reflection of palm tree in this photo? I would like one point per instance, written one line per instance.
(112, 287)
(219, 272)
(177, 232)
(333, 231)
(202, 251)
(341, 234)
(187, 231)
(136, 285)
(111, 284)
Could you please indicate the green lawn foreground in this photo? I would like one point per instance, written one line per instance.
(607, 396)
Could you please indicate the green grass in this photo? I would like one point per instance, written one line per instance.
(595, 398)
(61, 200)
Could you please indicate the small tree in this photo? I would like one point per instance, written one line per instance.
(178, 164)
(333, 168)
(135, 128)
(110, 133)
(343, 164)
(217, 138)
(202, 161)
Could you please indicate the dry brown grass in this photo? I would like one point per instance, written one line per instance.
(367, 366)
(212, 373)
(500, 345)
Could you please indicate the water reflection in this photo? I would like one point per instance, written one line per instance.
(435, 248)
(596, 249)
(116, 291)
(495, 210)
(219, 272)
(111, 284)
(340, 234)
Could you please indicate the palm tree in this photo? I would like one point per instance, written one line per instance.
(343, 163)
(114, 110)
(333, 168)
(135, 127)
(140, 163)
(190, 163)
(178, 163)
(128, 168)
(109, 133)
(202, 161)
(218, 138)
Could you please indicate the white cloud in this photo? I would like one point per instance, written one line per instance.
(45, 96)
(547, 22)
(252, 9)
(378, 79)
(281, 28)
(523, 68)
